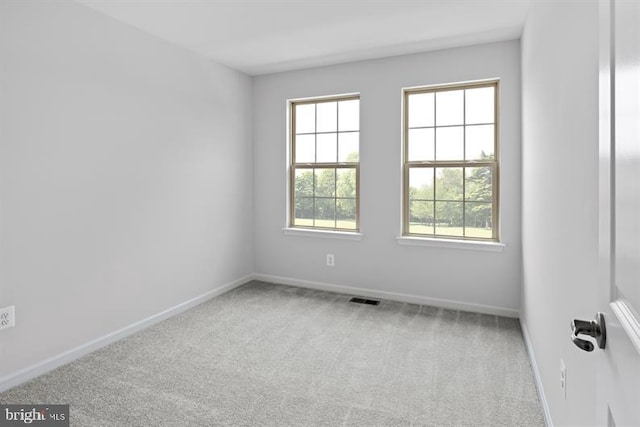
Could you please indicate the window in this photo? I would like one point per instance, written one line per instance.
(324, 163)
(451, 161)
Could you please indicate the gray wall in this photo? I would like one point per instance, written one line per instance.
(125, 177)
(377, 262)
(560, 196)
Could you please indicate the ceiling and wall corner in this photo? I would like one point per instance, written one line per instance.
(267, 36)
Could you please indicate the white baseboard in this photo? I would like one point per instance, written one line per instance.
(394, 296)
(51, 363)
(536, 375)
(47, 365)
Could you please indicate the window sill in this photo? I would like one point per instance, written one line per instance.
(472, 245)
(326, 234)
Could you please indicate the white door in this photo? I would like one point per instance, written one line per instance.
(618, 365)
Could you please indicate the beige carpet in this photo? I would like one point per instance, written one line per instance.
(275, 355)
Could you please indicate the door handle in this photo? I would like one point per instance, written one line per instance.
(594, 328)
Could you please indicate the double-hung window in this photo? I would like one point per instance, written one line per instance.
(450, 181)
(324, 163)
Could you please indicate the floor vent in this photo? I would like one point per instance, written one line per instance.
(364, 301)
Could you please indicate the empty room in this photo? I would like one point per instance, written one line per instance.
(319, 212)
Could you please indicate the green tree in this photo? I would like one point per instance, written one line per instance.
(304, 194)
(325, 190)
(480, 189)
(326, 193)
(449, 194)
(449, 197)
(346, 183)
(346, 193)
(421, 209)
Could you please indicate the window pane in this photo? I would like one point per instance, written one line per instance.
(479, 142)
(479, 184)
(348, 146)
(421, 109)
(304, 212)
(305, 148)
(479, 105)
(327, 146)
(327, 116)
(346, 213)
(325, 137)
(450, 159)
(421, 217)
(349, 115)
(421, 183)
(305, 118)
(421, 144)
(325, 213)
(449, 184)
(303, 186)
(449, 108)
(477, 219)
(346, 184)
(449, 143)
(449, 219)
(325, 182)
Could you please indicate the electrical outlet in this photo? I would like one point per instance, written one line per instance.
(331, 260)
(563, 379)
(8, 317)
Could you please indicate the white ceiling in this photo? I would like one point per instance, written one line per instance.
(266, 36)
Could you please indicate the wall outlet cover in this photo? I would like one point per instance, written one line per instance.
(8, 317)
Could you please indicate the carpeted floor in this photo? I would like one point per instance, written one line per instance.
(275, 355)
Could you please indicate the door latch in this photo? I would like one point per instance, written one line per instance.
(594, 328)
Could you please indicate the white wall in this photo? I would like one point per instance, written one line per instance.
(378, 263)
(560, 196)
(125, 177)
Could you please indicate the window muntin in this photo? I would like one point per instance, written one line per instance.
(324, 166)
(450, 161)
